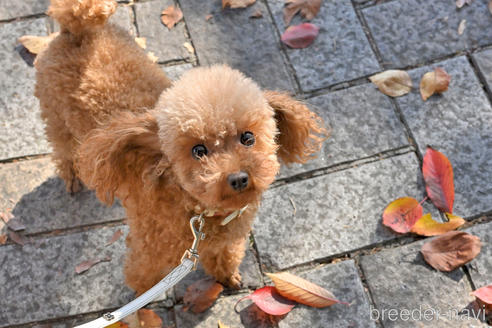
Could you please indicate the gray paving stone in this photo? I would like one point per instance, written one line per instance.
(341, 52)
(38, 199)
(408, 32)
(164, 43)
(457, 123)
(362, 123)
(249, 269)
(21, 128)
(123, 17)
(335, 213)
(481, 267)
(11, 9)
(39, 280)
(484, 61)
(233, 38)
(343, 280)
(175, 72)
(401, 282)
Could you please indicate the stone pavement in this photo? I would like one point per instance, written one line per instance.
(321, 220)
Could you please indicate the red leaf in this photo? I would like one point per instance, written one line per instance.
(438, 176)
(300, 36)
(86, 265)
(270, 301)
(116, 235)
(484, 294)
(402, 213)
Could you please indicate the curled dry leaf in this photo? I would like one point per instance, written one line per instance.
(116, 235)
(462, 26)
(237, 3)
(484, 295)
(270, 301)
(426, 226)
(402, 213)
(86, 265)
(36, 44)
(432, 82)
(300, 36)
(171, 16)
(308, 8)
(201, 295)
(302, 291)
(142, 42)
(438, 176)
(451, 250)
(393, 82)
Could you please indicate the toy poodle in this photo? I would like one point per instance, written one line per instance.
(209, 142)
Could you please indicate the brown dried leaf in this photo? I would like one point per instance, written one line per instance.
(308, 8)
(171, 16)
(116, 235)
(201, 295)
(432, 82)
(36, 44)
(256, 14)
(462, 26)
(3, 239)
(393, 83)
(237, 3)
(302, 291)
(451, 250)
(209, 17)
(86, 265)
(142, 42)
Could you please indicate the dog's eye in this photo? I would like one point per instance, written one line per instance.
(199, 151)
(247, 139)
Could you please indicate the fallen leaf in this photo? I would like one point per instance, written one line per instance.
(435, 81)
(3, 239)
(116, 235)
(16, 238)
(189, 47)
(461, 3)
(253, 316)
(302, 291)
(201, 295)
(171, 16)
(308, 8)
(36, 44)
(256, 14)
(131, 321)
(438, 176)
(153, 58)
(209, 17)
(142, 42)
(462, 26)
(237, 3)
(149, 319)
(86, 265)
(484, 294)
(270, 301)
(300, 36)
(402, 213)
(426, 226)
(451, 250)
(393, 82)
(490, 6)
(221, 325)
(118, 324)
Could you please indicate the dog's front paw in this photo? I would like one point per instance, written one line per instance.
(234, 281)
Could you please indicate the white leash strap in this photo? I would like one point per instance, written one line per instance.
(188, 263)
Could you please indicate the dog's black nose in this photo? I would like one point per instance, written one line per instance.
(238, 181)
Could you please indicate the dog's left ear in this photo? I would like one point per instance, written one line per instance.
(301, 131)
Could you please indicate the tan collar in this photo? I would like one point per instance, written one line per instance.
(229, 217)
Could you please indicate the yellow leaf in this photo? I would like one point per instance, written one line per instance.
(432, 82)
(462, 26)
(221, 325)
(237, 3)
(36, 44)
(393, 82)
(426, 226)
(301, 290)
(152, 57)
(189, 47)
(142, 42)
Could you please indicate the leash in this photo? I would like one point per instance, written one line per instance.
(189, 262)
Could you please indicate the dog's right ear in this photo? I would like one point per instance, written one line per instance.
(121, 156)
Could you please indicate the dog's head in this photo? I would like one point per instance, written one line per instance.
(216, 131)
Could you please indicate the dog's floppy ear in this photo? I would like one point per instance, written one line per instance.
(301, 132)
(123, 154)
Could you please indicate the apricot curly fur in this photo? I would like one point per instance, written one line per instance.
(116, 123)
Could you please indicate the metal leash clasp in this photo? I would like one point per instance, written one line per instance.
(192, 253)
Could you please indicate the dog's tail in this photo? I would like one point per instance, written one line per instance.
(79, 16)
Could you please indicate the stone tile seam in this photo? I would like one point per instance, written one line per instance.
(285, 58)
(373, 3)
(342, 166)
(194, 56)
(480, 76)
(23, 158)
